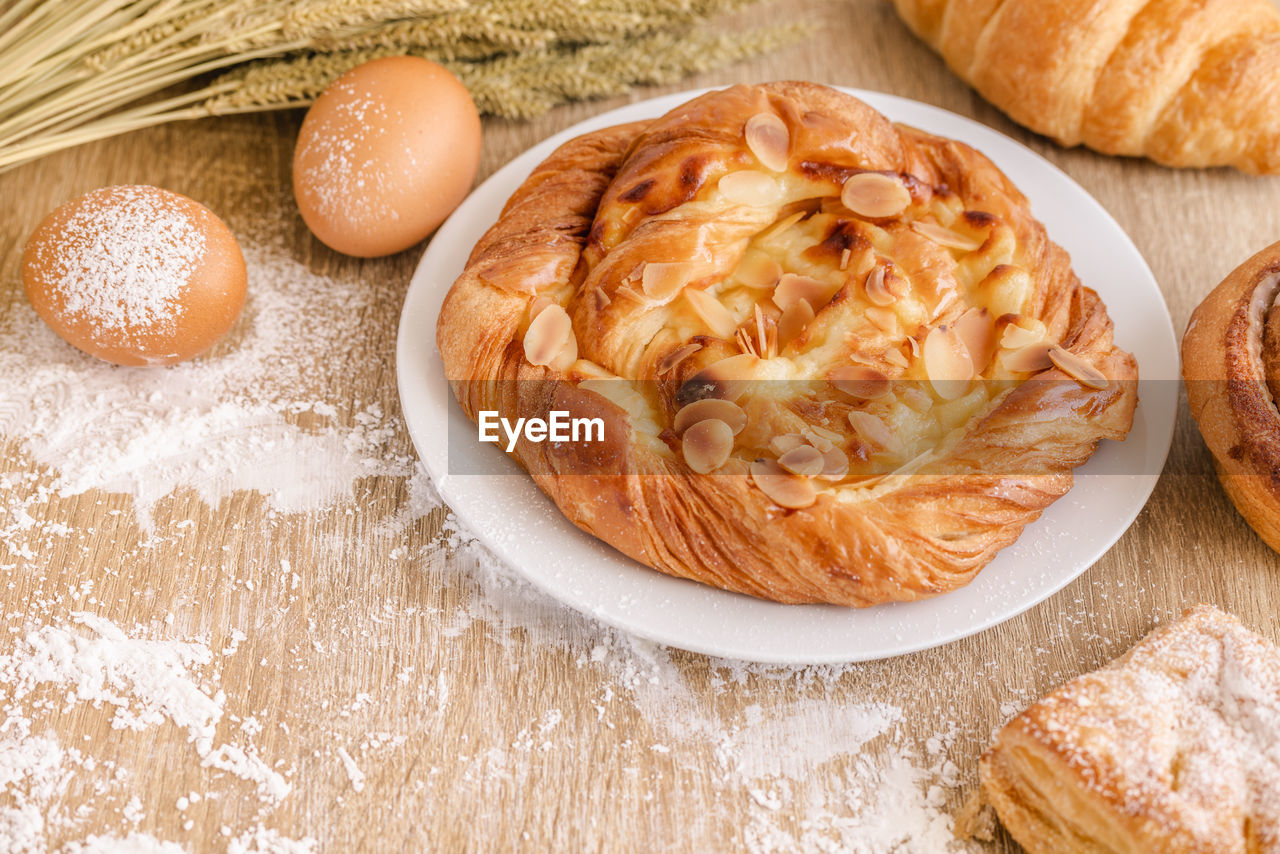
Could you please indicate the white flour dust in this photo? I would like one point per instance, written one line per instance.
(230, 421)
(262, 414)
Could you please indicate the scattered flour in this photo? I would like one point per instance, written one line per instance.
(230, 421)
(260, 414)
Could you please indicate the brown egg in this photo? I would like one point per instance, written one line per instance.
(135, 275)
(384, 155)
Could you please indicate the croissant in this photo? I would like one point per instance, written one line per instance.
(832, 359)
(1183, 82)
(1231, 364)
(1170, 748)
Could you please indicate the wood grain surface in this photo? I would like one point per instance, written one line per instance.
(523, 728)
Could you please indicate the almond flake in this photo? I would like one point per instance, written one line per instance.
(1076, 367)
(1015, 337)
(978, 333)
(1030, 359)
(861, 382)
(947, 362)
(823, 433)
(835, 465)
(877, 292)
(725, 379)
(874, 195)
(668, 362)
(713, 314)
(706, 446)
(708, 408)
(792, 288)
(786, 442)
(781, 226)
(538, 304)
(805, 460)
(768, 138)
(758, 270)
(785, 490)
(662, 280)
(794, 319)
(548, 335)
(872, 429)
(917, 399)
(946, 237)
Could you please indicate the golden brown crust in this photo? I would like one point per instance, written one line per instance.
(1184, 82)
(586, 224)
(1169, 748)
(1229, 362)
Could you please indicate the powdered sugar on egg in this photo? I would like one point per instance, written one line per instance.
(384, 155)
(135, 275)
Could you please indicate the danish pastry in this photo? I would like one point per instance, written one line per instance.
(835, 359)
(1183, 82)
(1231, 364)
(1170, 748)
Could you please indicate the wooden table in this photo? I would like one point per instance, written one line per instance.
(473, 713)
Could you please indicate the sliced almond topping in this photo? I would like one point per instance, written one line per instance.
(918, 399)
(668, 362)
(662, 280)
(1085, 373)
(835, 464)
(946, 237)
(758, 270)
(548, 334)
(914, 344)
(859, 381)
(978, 332)
(874, 195)
(783, 489)
(873, 429)
(707, 408)
(786, 442)
(895, 357)
(713, 314)
(782, 225)
(794, 319)
(845, 255)
(762, 332)
(602, 299)
(817, 430)
(1030, 359)
(538, 304)
(707, 445)
(884, 319)
(754, 189)
(793, 288)
(726, 379)
(820, 442)
(947, 362)
(877, 292)
(1015, 337)
(805, 460)
(568, 354)
(768, 138)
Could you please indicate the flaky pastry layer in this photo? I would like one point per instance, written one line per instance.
(1170, 748)
(837, 359)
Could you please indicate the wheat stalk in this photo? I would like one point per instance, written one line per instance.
(73, 71)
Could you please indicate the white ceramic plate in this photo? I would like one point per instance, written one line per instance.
(525, 529)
